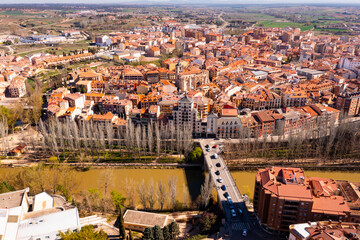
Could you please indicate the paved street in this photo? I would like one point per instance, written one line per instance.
(235, 225)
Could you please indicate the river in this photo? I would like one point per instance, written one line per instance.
(189, 180)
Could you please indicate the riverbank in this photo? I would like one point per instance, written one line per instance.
(250, 164)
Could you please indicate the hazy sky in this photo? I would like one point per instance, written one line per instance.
(180, 1)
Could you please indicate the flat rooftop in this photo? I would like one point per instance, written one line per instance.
(145, 218)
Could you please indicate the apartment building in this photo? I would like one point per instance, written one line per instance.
(17, 87)
(329, 230)
(185, 114)
(348, 103)
(283, 196)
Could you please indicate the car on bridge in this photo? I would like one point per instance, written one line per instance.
(223, 188)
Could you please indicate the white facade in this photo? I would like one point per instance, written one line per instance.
(185, 114)
(349, 63)
(42, 201)
(48, 226)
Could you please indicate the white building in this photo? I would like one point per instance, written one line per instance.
(350, 63)
(45, 221)
(48, 226)
(185, 114)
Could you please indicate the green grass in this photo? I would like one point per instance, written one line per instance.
(17, 13)
(273, 24)
(330, 30)
(12, 13)
(306, 28)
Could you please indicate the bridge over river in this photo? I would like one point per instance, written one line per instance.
(235, 224)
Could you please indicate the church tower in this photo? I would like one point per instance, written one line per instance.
(178, 68)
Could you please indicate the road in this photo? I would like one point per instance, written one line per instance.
(225, 23)
(218, 170)
(235, 225)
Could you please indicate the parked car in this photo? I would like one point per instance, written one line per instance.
(233, 213)
(218, 164)
(240, 211)
(230, 201)
(220, 180)
(223, 188)
(244, 233)
(207, 145)
(226, 194)
(215, 146)
(217, 138)
(217, 172)
(215, 156)
(208, 149)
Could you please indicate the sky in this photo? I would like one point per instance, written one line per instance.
(181, 1)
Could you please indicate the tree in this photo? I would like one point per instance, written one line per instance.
(158, 233)
(105, 179)
(206, 191)
(195, 155)
(130, 191)
(172, 183)
(207, 223)
(142, 193)
(148, 234)
(151, 194)
(121, 226)
(166, 233)
(35, 101)
(161, 194)
(118, 200)
(6, 187)
(174, 230)
(86, 232)
(131, 235)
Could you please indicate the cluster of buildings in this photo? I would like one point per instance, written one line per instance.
(285, 197)
(24, 217)
(268, 81)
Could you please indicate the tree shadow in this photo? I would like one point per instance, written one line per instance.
(194, 179)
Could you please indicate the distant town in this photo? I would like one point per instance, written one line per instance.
(162, 122)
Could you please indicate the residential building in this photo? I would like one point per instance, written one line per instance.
(284, 196)
(329, 230)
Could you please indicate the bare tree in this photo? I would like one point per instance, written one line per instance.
(141, 188)
(172, 184)
(161, 194)
(150, 139)
(4, 132)
(109, 134)
(105, 180)
(151, 194)
(129, 186)
(138, 139)
(206, 191)
(158, 139)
